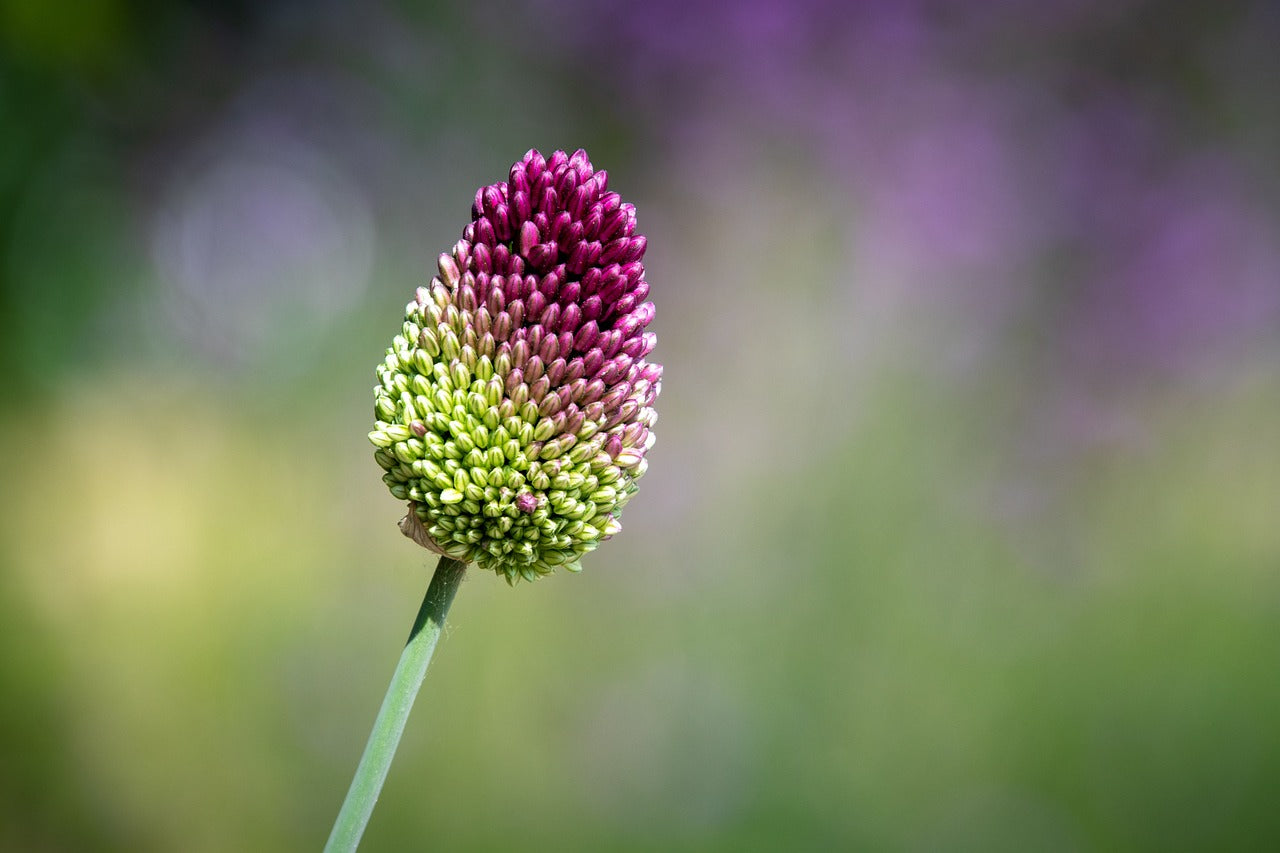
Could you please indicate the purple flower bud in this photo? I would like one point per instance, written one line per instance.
(634, 347)
(549, 348)
(502, 326)
(609, 343)
(448, 270)
(566, 183)
(565, 340)
(549, 286)
(570, 292)
(566, 396)
(514, 378)
(466, 298)
(520, 353)
(550, 201)
(550, 318)
(480, 259)
(496, 302)
(590, 397)
(612, 225)
(491, 196)
(516, 313)
(622, 366)
(593, 223)
(528, 239)
(591, 307)
(536, 303)
(645, 313)
(537, 192)
(592, 361)
(632, 433)
(630, 408)
(521, 208)
(623, 306)
(538, 390)
(534, 161)
(559, 224)
(579, 201)
(502, 255)
(555, 371)
(616, 395)
(569, 239)
(633, 272)
(571, 318)
(615, 285)
(518, 178)
(485, 236)
(550, 405)
(534, 369)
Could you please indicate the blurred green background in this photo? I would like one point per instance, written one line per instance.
(961, 528)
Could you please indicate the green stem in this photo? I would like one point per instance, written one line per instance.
(389, 725)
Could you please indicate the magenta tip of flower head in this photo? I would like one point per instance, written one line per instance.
(514, 411)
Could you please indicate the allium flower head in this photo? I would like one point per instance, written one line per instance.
(514, 409)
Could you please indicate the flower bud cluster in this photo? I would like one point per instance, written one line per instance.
(515, 408)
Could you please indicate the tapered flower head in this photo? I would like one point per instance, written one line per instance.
(515, 408)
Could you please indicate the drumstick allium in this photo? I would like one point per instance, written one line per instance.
(514, 410)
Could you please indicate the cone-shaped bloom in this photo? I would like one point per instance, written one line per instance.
(515, 408)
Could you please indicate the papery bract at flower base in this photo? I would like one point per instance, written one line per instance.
(515, 408)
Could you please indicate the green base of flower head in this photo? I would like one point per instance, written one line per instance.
(467, 458)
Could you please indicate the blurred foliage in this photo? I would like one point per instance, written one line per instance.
(960, 528)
